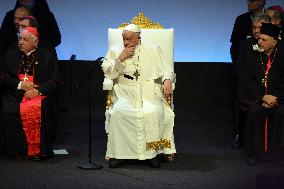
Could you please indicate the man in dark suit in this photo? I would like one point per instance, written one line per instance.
(28, 76)
(30, 21)
(242, 30)
(243, 26)
(10, 28)
(48, 26)
(261, 93)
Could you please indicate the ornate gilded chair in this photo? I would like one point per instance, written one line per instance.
(151, 32)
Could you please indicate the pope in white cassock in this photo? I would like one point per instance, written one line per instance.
(141, 121)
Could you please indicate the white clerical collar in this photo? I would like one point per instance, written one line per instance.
(29, 53)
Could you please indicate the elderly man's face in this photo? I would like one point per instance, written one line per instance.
(130, 39)
(27, 42)
(18, 14)
(254, 4)
(256, 26)
(270, 13)
(275, 21)
(23, 24)
(266, 43)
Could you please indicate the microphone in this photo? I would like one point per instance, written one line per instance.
(73, 57)
(99, 59)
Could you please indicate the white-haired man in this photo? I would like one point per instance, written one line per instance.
(141, 121)
(28, 77)
(242, 30)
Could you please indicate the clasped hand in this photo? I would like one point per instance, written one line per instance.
(167, 88)
(30, 89)
(269, 101)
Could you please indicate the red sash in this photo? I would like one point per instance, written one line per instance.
(30, 111)
(266, 118)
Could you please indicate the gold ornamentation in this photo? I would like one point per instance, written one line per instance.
(169, 100)
(108, 101)
(142, 22)
(161, 144)
(25, 78)
(264, 81)
(268, 66)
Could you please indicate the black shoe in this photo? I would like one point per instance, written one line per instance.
(237, 142)
(116, 163)
(251, 160)
(263, 158)
(154, 162)
(277, 161)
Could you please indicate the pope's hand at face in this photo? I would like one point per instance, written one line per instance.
(127, 53)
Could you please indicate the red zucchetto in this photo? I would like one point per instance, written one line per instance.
(33, 31)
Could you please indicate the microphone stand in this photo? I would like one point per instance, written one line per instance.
(89, 165)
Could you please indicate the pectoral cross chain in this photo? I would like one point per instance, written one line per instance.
(136, 74)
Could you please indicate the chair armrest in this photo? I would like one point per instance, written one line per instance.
(107, 84)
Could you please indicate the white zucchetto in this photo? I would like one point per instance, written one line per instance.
(132, 28)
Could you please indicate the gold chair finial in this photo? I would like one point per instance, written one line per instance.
(142, 22)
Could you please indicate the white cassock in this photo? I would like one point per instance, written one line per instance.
(140, 122)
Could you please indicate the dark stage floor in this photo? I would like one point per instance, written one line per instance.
(204, 159)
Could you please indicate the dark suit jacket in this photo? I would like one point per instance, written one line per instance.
(45, 72)
(251, 88)
(245, 44)
(48, 28)
(242, 29)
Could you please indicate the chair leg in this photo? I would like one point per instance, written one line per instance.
(169, 158)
